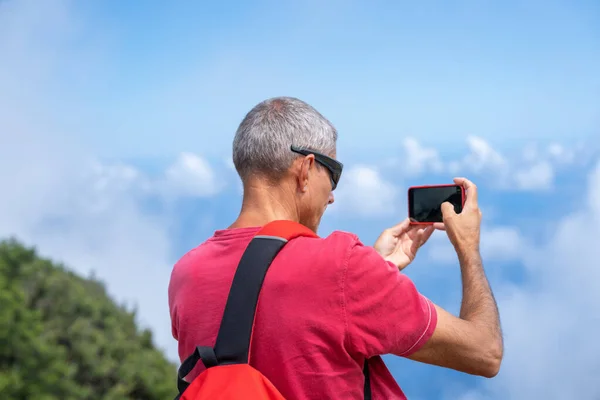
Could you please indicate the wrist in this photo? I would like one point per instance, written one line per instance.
(469, 252)
(400, 264)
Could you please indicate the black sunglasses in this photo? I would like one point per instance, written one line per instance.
(333, 166)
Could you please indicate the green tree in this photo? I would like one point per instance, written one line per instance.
(62, 337)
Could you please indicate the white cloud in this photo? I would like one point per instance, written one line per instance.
(363, 191)
(482, 156)
(530, 153)
(188, 176)
(531, 170)
(562, 155)
(420, 159)
(539, 176)
(191, 175)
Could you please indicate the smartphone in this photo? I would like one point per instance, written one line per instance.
(425, 202)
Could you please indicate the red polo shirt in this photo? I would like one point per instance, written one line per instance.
(326, 304)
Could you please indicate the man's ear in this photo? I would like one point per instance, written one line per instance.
(304, 172)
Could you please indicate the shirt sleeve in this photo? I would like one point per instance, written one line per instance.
(385, 314)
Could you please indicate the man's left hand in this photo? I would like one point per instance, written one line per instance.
(399, 244)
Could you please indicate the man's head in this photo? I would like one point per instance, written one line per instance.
(286, 146)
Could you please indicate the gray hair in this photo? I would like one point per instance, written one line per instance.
(262, 142)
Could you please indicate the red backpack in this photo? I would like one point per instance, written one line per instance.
(228, 374)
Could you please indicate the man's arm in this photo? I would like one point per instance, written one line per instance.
(473, 342)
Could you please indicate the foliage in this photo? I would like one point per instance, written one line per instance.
(63, 338)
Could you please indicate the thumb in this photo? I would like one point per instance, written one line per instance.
(447, 210)
(399, 229)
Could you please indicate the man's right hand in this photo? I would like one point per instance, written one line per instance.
(471, 343)
(464, 229)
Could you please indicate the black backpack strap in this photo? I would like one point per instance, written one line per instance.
(233, 340)
(204, 353)
(367, 380)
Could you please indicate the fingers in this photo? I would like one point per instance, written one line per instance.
(400, 228)
(471, 191)
(447, 210)
(439, 226)
(423, 234)
(427, 232)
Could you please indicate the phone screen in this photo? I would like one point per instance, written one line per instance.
(424, 204)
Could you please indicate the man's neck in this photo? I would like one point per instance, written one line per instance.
(262, 204)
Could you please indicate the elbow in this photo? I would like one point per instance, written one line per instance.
(491, 369)
(492, 359)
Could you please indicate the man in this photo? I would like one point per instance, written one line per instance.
(328, 304)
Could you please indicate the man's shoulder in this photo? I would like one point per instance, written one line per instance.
(340, 240)
(342, 236)
(195, 252)
(337, 244)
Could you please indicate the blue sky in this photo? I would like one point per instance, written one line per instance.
(116, 124)
(179, 73)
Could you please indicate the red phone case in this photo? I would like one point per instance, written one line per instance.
(462, 192)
